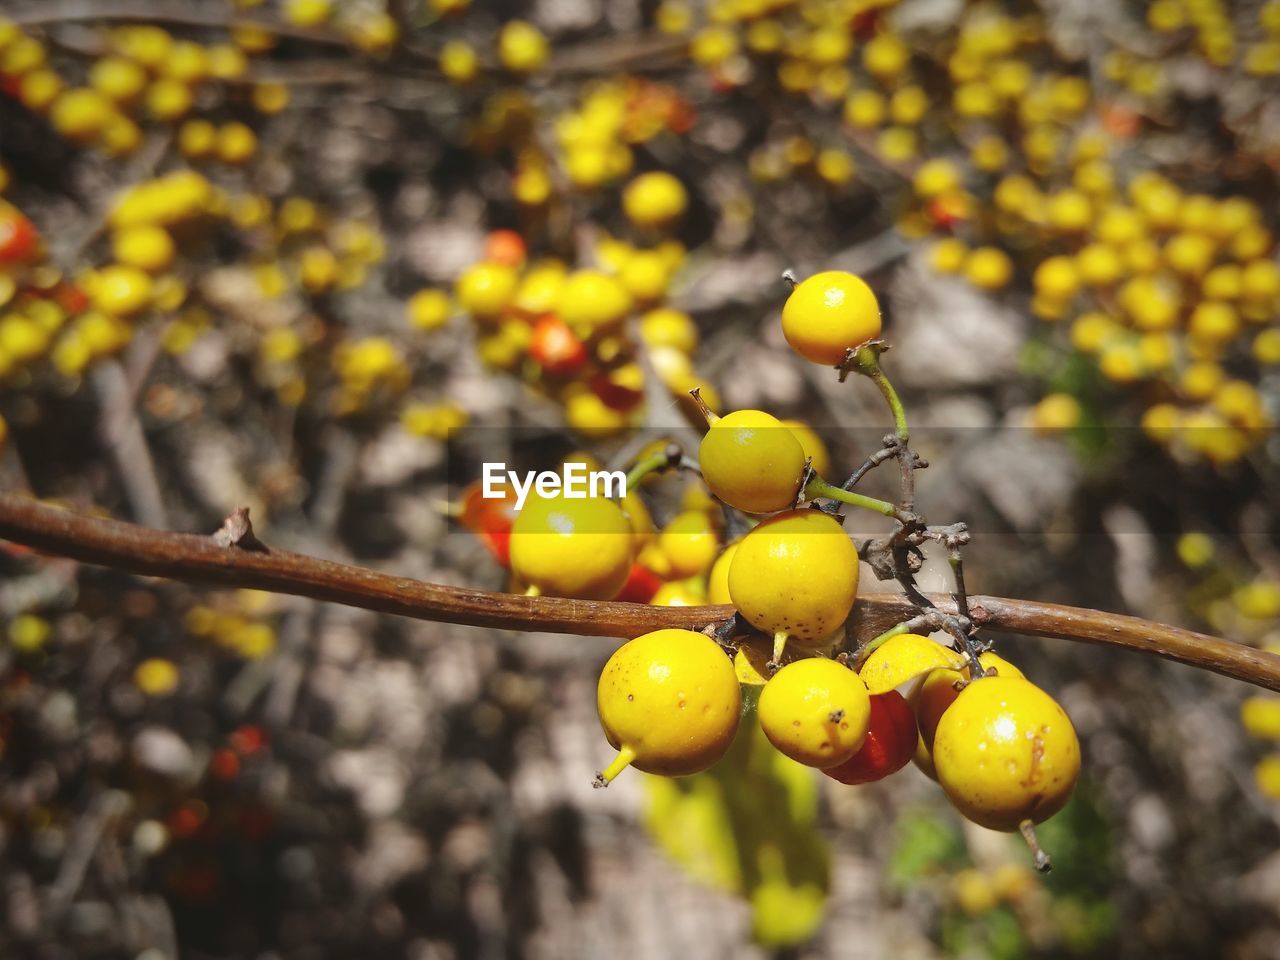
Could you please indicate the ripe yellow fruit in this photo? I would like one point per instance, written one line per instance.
(147, 247)
(459, 61)
(665, 327)
(654, 199)
(988, 268)
(116, 78)
(689, 543)
(120, 291)
(572, 548)
(751, 461)
(1006, 752)
(815, 711)
(718, 578)
(80, 114)
(669, 703)
(795, 576)
(829, 314)
(429, 309)
(236, 144)
(521, 47)
(592, 302)
(812, 445)
(485, 289)
(308, 13)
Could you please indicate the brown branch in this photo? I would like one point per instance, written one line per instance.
(200, 559)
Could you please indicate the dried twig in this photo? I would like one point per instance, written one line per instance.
(199, 559)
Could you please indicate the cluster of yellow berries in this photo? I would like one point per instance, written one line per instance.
(671, 701)
(242, 622)
(569, 332)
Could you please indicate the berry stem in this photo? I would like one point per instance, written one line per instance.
(867, 362)
(706, 411)
(533, 590)
(663, 460)
(1040, 859)
(817, 488)
(779, 645)
(618, 764)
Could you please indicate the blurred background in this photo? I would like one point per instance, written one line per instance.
(300, 255)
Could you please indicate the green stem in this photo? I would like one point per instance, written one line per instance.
(818, 488)
(654, 464)
(867, 362)
(871, 646)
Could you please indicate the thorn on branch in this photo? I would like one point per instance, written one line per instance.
(237, 531)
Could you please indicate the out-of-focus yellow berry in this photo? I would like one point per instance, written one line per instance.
(29, 633)
(226, 62)
(1266, 347)
(712, 46)
(1152, 303)
(39, 88)
(168, 99)
(187, 62)
(1260, 280)
(654, 199)
(1056, 278)
(864, 108)
(1200, 380)
(1055, 413)
(898, 144)
(120, 291)
(459, 61)
(593, 301)
(485, 289)
(885, 56)
(156, 677)
(120, 80)
(1160, 422)
(665, 327)
(308, 13)
(645, 275)
(1213, 321)
(1260, 600)
(270, 98)
(80, 114)
(990, 154)
(936, 177)
(1260, 717)
(522, 48)
(1195, 550)
(948, 255)
(1069, 211)
(988, 268)
(236, 143)
(429, 309)
(834, 166)
(197, 138)
(147, 247)
(146, 44)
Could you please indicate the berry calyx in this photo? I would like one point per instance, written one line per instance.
(815, 711)
(829, 314)
(669, 704)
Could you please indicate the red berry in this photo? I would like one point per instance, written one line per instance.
(505, 247)
(642, 583)
(18, 237)
(556, 348)
(889, 746)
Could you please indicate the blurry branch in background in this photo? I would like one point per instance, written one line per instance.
(234, 557)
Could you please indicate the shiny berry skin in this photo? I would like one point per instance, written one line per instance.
(829, 314)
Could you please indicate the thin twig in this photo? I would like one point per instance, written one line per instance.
(198, 559)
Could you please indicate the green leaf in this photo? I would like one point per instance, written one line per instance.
(749, 825)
